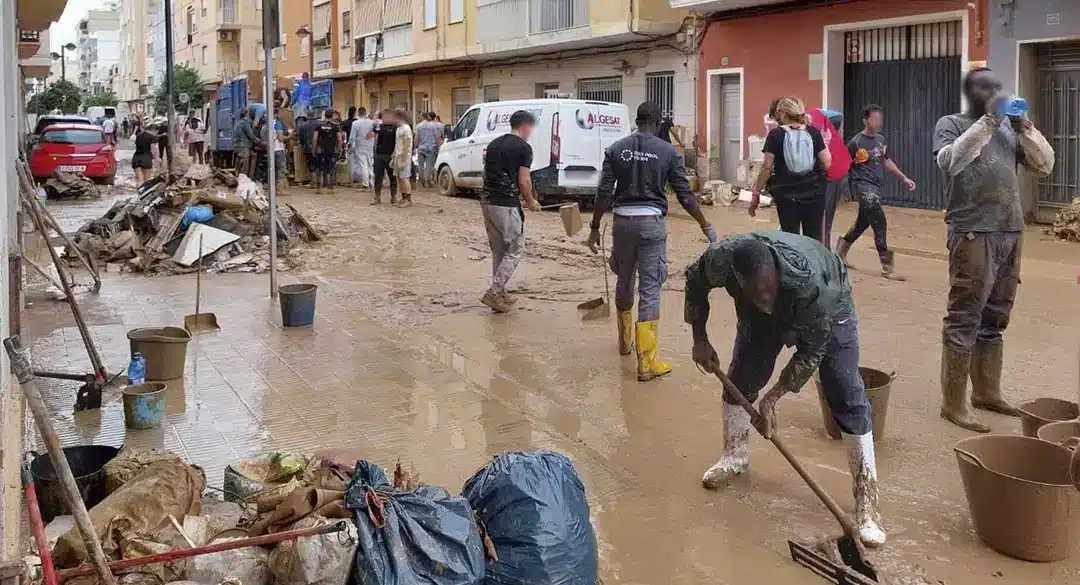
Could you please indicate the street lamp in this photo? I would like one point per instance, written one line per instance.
(304, 32)
(63, 59)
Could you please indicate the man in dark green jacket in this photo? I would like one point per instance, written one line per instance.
(789, 290)
(243, 139)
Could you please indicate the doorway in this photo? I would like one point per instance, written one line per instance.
(725, 120)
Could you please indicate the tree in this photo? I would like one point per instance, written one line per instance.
(105, 99)
(62, 95)
(186, 79)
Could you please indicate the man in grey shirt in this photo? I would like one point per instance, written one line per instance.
(978, 152)
(429, 136)
(362, 148)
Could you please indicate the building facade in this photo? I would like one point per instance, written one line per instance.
(98, 42)
(130, 82)
(908, 57)
(1035, 47)
(155, 46)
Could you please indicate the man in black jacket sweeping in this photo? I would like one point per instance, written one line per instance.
(635, 172)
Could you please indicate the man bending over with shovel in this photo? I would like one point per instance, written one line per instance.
(636, 170)
(788, 290)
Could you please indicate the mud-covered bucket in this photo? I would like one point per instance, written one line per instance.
(1065, 433)
(878, 384)
(144, 405)
(87, 463)
(1022, 499)
(164, 348)
(1041, 411)
(297, 304)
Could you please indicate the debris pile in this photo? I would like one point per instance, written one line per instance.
(1067, 223)
(164, 227)
(61, 185)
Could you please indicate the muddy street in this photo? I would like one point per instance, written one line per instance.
(404, 362)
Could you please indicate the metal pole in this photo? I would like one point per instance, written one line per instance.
(169, 86)
(271, 176)
(63, 65)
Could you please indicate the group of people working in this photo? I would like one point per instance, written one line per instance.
(789, 288)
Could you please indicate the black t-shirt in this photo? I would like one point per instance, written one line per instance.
(144, 142)
(505, 155)
(385, 138)
(868, 156)
(787, 184)
(346, 127)
(326, 136)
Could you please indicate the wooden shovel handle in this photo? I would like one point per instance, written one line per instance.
(841, 517)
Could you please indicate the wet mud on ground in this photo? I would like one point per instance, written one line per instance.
(405, 361)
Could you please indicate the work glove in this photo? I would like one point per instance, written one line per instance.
(705, 356)
(710, 232)
(594, 240)
(533, 204)
(766, 424)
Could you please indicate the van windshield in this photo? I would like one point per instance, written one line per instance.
(73, 137)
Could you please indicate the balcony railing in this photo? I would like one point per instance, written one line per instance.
(501, 20)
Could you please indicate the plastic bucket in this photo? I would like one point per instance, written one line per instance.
(1022, 500)
(297, 304)
(87, 464)
(165, 350)
(1065, 433)
(1041, 411)
(144, 405)
(878, 384)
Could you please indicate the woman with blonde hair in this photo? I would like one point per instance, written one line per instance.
(794, 169)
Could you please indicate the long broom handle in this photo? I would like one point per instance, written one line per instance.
(198, 279)
(841, 516)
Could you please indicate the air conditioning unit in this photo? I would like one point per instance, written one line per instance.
(225, 35)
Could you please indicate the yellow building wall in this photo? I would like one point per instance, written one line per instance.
(658, 11)
(439, 88)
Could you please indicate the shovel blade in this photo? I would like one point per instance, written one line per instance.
(600, 312)
(591, 304)
(201, 323)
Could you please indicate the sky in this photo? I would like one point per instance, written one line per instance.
(63, 30)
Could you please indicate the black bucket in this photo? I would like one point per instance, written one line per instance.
(87, 465)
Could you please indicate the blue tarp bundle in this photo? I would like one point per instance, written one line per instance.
(534, 508)
(422, 537)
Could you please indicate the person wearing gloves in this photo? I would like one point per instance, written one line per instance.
(788, 289)
(635, 172)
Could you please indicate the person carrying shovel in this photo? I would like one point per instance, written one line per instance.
(635, 172)
(788, 290)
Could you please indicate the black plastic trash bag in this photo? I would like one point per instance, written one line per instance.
(534, 508)
(422, 537)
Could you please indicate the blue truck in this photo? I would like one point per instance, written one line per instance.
(233, 97)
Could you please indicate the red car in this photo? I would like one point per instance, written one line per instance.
(73, 148)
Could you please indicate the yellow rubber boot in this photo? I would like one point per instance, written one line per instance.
(649, 366)
(626, 332)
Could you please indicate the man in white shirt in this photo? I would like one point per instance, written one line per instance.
(362, 148)
(402, 159)
(109, 127)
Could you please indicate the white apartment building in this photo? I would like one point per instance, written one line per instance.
(98, 42)
(131, 76)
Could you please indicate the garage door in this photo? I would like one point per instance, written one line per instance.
(914, 73)
(1058, 117)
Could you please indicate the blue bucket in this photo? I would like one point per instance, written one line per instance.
(297, 304)
(144, 405)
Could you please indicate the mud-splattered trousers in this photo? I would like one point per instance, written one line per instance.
(757, 346)
(639, 249)
(834, 192)
(871, 215)
(984, 271)
(506, 234)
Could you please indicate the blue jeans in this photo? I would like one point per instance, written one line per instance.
(758, 344)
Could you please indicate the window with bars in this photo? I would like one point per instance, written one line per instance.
(423, 105)
(600, 89)
(660, 89)
(373, 102)
(462, 100)
(900, 43)
(491, 93)
(546, 90)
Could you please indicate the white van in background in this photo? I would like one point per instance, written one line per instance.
(568, 145)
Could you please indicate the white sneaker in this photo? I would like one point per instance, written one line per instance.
(860, 454)
(736, 458)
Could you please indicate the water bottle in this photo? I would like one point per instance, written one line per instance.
(137, 369)
(1013, 106)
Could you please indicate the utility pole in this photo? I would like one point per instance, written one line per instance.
(169, 88)
(271, 31)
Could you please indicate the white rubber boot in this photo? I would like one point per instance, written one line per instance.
(860, 454)
(736, 458)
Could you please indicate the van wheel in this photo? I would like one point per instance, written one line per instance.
(447, 187)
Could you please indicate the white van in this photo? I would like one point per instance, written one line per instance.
(568, 144)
